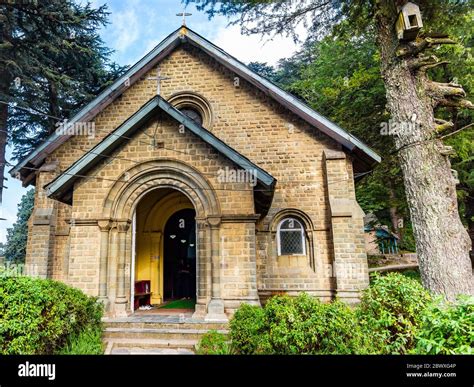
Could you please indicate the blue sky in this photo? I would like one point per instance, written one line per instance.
(136, 26)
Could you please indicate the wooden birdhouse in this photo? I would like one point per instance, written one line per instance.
(409, 22)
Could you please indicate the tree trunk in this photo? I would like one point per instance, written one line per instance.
(53, 105)
(6, 79)
(442, 243)
(394, 216)
(4, 90)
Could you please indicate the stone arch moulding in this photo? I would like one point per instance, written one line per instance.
(120, 205)
(189, 99)
(308, 229)
(137, 181)
(289, 212)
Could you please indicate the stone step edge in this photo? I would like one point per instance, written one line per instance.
(149, 344)
(163, 330)
(141, 325)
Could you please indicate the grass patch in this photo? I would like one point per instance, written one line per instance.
(180, 304)
(87, 342)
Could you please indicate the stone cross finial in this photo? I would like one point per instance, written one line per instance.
(184, 14)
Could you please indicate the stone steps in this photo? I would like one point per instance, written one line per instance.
(163, 335)
(151, 346)
(156, 333)
(154, 351)
(161, 325)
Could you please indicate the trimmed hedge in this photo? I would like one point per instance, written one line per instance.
(396, 316)
(301, 325)
(40, 316)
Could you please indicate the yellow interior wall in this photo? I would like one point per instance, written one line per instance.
(153, 212)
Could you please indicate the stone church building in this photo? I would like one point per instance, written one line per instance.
(192, 160)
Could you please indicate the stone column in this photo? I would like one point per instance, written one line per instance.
(215, 309)
(350, 260)
(42, 227)
(121, 300)
(203, 273)
(104, 226)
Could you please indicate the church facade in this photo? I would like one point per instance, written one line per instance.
(193, 163)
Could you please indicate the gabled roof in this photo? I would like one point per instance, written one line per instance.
(60, 188)
(365, 156)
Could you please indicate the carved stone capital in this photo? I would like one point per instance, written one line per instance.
(214, 221)
(123, 225)
(104, 224)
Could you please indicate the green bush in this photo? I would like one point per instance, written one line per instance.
(247, 331)
(213, 343)
(87, 342)
(413, 274)
(391, 310)
(38, 316)
(301, 325)
(447, 328)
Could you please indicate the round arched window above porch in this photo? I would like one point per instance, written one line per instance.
(193, 106)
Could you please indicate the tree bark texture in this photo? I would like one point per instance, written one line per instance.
(442, 243)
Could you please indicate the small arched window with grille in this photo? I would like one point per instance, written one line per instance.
(291, 237)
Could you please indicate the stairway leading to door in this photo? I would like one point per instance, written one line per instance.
(156, 334)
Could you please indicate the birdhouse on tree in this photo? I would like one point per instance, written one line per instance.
(409, 22)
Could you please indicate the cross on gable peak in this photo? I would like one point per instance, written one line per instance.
(184, 14)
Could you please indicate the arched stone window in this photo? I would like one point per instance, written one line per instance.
(193, 114)
(194, 106)
(291, 238)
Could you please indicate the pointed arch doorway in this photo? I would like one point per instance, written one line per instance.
(166, 246)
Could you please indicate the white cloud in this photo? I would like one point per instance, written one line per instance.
(254, 48)
(125, 28)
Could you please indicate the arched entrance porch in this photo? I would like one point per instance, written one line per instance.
(119, 225)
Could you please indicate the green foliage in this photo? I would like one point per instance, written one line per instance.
(337, 72)
(301, 325)
(395, 316)
(413, 274)
(213, 343)
(248, 331)
(54, 51)
(391, 310)
(263, 69)
(15, 248)
(447, 329)
(87, 342)
(304, 325)
(38, 316)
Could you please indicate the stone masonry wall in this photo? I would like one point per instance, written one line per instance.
(254, 125)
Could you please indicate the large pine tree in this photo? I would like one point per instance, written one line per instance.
(17, 235)
(52, 61)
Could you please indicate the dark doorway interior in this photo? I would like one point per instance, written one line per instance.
(180, 256)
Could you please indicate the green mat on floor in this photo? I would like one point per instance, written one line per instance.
(179, 304)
